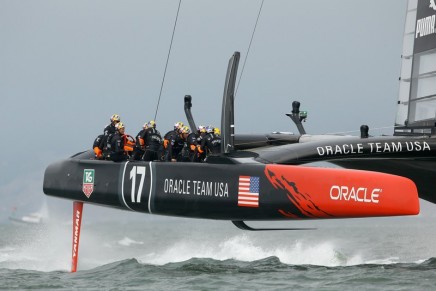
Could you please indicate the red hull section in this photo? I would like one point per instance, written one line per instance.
(339, 193)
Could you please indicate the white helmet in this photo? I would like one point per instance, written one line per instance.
(209, 129)
(178, 125)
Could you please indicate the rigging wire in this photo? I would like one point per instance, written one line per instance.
(249, 46)
(168, 57)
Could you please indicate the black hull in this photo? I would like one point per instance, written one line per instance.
(217, 190)
(175, 189)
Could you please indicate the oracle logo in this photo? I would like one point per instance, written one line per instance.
(357, 194)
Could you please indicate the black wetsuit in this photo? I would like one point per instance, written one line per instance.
(202, 155)
(117, 153)
(138, 152)
(153, 144)
(97, 146)
(98, 142)
(192, 143)
(211, 143)
(108, 133)
(109, 129)
(174, 145)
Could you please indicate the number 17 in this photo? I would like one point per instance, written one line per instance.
(140, 171)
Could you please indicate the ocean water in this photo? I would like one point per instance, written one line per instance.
(158, 253)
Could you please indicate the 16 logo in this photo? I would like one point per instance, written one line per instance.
(88, 181)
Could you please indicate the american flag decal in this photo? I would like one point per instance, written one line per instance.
(248, 191)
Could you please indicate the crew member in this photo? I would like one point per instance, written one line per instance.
(185, 153)
(97, 146)
(192, 143)
(201, 153)
(211, 143)
(110, 128)
(139, 150)
(100, 141)
(172, 143)
(108, 132)
(175, 131)
(152, 142)
(118, 152)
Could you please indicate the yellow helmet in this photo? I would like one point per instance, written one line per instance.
(178, 125)
(152, 123)
(115, 117)
(119, 125)
(185, 129)
(201, 129)
(217, 131)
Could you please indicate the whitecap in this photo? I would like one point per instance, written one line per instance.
(128, 242)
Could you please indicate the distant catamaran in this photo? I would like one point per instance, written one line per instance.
(30, 218)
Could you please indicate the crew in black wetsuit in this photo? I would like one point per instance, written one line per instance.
(110, 128)
(97, 146)
(192, 143)
(211, 143)
(201, 133)
(100, 143)
(139, 150)
(117, 153)
(152, 142)
(108, 132)
(185, 153)
(173, 144)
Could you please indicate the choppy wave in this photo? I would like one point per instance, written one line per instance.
(211, 274)
(175, 255)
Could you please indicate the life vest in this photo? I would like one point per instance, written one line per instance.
(129, 143)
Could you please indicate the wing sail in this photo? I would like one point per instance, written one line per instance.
(227, 115)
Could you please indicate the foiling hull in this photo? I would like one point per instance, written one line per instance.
(244, 191)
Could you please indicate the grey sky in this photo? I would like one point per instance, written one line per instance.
(66, 66)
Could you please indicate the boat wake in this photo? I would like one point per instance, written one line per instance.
(243, 248)
(47, 247)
